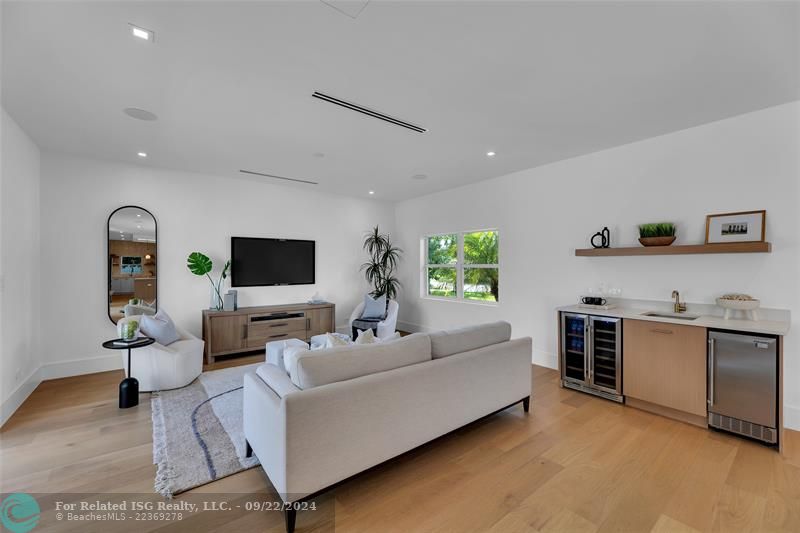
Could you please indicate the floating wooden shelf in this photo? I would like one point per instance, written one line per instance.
(722, 248)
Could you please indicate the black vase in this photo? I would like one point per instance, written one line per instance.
(605, 239)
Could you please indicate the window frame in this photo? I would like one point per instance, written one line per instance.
(459, 267)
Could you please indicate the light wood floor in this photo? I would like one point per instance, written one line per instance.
(575, 463)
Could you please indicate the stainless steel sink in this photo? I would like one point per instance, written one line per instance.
(679, 316)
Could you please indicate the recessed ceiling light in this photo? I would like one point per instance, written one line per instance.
(419, 176)
(142, 33)
(372, 192)
(138, 215)
(142, 154)
(139, 114)
(490, 154)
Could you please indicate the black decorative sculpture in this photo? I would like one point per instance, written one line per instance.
(605, 239)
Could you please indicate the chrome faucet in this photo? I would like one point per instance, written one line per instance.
(678, 307)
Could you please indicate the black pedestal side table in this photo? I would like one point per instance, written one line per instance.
(128, 387)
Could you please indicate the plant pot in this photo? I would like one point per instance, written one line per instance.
(657, 241)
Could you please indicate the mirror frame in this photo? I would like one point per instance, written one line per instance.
(108, 255)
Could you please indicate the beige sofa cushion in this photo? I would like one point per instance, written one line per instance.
(444, 343)
(321, 367)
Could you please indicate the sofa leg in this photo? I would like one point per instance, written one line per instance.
(291, 517)
(526, 404)
(248, 452)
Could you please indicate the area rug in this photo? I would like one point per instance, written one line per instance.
(197, 431)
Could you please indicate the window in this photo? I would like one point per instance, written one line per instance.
(462, 266)
(131, 265)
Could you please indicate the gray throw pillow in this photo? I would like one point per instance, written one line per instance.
(374, 308)
(159, 327)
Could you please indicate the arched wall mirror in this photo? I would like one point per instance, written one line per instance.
(132, 263)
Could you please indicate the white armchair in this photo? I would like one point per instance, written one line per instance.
(387, 326)
(159, 367)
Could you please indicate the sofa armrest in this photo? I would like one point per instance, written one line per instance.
(264, 421)
(355, 314)
(276, 379)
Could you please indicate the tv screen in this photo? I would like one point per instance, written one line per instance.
(258, 262)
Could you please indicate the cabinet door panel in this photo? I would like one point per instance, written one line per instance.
(320, 321)
(227, 333)
(665, 364)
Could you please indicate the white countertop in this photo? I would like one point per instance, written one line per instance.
(776, 322)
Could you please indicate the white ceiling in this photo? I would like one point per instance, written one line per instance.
(535, 82)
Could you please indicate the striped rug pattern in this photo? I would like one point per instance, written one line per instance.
(197, 431)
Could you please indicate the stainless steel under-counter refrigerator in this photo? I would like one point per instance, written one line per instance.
(743, 384)
(591, 354)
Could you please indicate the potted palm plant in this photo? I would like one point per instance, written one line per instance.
(379, 269)
(659, 234)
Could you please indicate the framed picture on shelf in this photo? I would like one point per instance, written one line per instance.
(744, 226)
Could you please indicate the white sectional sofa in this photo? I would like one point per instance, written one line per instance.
(347, 409)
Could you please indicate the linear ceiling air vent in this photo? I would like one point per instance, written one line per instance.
(369, 112)
(278, 177)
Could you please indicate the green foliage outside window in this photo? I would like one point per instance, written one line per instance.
(480, 282)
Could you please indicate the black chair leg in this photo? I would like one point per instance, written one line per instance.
(526, 404)
(248, 452)
(291, 517)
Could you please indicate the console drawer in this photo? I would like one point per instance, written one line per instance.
(259, 342)
(266, 329)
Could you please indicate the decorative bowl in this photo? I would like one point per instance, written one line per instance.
(657, 241)
(748, 306)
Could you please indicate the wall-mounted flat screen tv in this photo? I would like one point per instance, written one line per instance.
(259, 262)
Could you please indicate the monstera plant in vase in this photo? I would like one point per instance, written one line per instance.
(201, 265)
(659, 234)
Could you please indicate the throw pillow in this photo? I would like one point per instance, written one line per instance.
(374, 308)
(334, 340)
(391, 338)
(366, 337)
(322, 342)
(290, 356)
(159, 327)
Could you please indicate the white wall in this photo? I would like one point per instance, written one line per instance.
(194, 213)
(19, 266)
(543, 214)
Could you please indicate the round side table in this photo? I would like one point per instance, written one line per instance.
(128, 387)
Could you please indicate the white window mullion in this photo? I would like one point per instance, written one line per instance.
(460, 266)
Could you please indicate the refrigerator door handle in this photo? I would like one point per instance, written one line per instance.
(587, 374)
(590, 352)
(711, 368)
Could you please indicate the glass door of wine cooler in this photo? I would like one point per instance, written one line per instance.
(574, 344)
(605, 348)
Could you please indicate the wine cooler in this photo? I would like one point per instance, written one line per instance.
(591, 354)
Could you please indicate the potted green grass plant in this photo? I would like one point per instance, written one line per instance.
(658, 234)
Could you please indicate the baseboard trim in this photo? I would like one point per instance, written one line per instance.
(20, 394)
(689, 418)
(77, 367)
(791, 417)
(546, 359)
